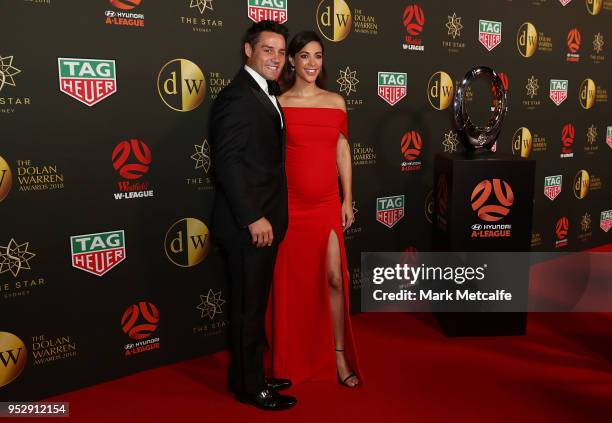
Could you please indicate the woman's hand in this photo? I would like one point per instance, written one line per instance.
(348, 217)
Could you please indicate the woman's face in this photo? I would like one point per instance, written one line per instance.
(308, 62)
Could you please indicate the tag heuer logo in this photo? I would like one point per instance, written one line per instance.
(273, 10)
(558, 90)
(87, 80)
(489, 33)
(391, 86)
(98, 253)
(606, 220)
(390, 210)
(552, 186)
(609, 136)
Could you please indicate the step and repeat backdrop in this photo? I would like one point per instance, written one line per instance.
(107, 264)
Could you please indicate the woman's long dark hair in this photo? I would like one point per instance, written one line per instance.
(297, 43)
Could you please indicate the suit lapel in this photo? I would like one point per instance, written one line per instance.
(267, 103)
(261, 96)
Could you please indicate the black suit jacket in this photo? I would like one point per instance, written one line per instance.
(248, 155)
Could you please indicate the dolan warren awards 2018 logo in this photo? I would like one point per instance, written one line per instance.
(98, 253)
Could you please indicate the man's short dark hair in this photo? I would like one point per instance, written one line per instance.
(252, 34)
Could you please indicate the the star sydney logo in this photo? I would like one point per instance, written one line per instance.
(211, 304)
(15, 257)
(348, 81)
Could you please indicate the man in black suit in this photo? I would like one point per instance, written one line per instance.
(250, 211)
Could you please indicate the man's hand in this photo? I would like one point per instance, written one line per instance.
(261, 233)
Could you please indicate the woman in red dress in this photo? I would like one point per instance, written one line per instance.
(309, 326)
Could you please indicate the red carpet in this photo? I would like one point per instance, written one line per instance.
(561, 371)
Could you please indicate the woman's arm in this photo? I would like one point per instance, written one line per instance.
(343, 162)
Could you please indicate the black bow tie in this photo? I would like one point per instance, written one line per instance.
(273, 87)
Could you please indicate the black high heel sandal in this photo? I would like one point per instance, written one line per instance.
(343, 382)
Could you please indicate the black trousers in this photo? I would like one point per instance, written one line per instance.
(250, 272)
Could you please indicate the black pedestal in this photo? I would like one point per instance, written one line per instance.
(484, 202)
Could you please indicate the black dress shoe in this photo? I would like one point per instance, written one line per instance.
(277, 384)
(268, 400)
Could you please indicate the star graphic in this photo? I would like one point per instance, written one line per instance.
(585, 223)
(598, 42)
(211, 304)
(202, 5)
(7, 71)
(355, 210)
(532, 86)
(15, 257)
(592, 134)
(454, 25)
(202, 156)
(450, 142)
(348, 81)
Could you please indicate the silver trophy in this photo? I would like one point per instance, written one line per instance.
(480, 138)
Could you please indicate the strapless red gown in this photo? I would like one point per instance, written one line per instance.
(299, 326)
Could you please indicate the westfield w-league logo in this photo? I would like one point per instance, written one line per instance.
(132, 159)
(567, 140)
(139, 151)
(414, 21)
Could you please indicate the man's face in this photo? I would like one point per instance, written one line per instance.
(267, 57)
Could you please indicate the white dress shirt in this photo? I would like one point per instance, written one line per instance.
(261, 81)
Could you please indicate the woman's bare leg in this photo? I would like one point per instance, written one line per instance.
(336, 300)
